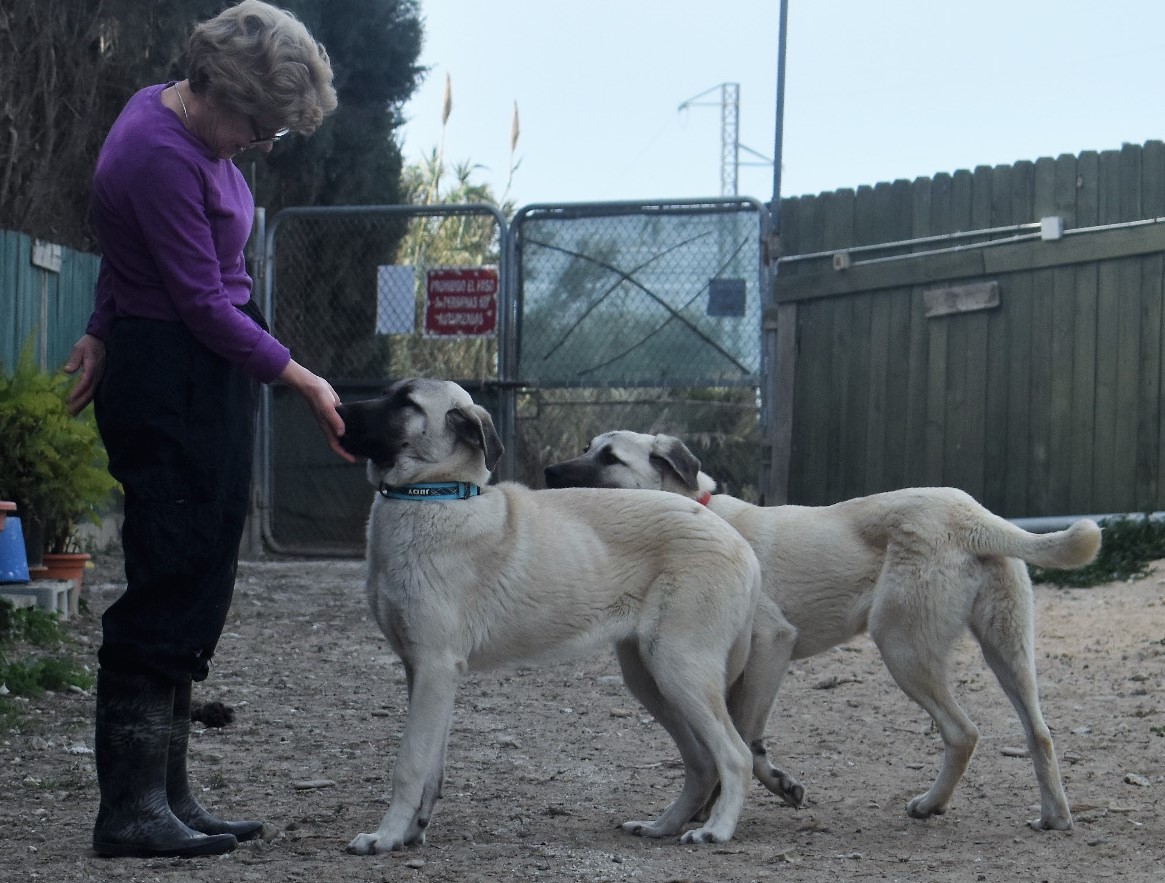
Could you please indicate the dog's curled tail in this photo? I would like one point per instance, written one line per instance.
(1066, 549)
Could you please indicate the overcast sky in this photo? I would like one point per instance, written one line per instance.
(874, 91)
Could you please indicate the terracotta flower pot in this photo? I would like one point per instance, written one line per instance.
(65, 566)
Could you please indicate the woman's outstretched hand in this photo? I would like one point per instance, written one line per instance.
(322, 400)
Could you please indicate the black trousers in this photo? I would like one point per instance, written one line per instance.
(178, 424)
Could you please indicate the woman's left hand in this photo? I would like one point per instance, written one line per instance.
(88, 356)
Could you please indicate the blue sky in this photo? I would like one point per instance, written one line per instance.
(874, 91)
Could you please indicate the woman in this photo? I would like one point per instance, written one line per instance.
(170, 358)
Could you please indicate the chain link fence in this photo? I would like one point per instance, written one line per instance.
(582, 319)
(641, 316)
(346, 290)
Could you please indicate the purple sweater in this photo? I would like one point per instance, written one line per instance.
(172, 220)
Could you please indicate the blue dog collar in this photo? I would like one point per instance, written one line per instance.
(437, 490)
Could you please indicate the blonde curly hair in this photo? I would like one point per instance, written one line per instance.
(260, 61)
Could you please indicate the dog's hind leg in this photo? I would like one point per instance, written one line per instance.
(1003, 624)
(915, 637)
(416, 778)
(696, 694)
(752, 697)
(699, 771)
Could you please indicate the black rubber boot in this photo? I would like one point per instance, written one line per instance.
(130, 746)
(185, 806)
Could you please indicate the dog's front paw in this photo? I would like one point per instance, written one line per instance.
(645, 829)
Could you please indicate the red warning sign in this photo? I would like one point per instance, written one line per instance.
(461, 302)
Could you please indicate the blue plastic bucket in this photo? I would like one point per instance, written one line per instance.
(13, 560)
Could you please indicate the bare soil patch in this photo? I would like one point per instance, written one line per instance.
(544, 763)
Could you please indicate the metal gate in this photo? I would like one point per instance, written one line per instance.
(640, 316)
(344, 289)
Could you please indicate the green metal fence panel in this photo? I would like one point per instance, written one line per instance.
(45, 307)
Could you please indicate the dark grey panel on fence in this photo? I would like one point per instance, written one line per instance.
(1049, 404)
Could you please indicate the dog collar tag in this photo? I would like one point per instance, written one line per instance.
(436, 490)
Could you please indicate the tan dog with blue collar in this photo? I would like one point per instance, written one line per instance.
(462, 576)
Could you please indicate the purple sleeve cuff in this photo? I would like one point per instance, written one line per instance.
(267, 360)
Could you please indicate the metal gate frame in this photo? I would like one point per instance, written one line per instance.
(262, 534)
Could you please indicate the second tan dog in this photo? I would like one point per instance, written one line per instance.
(916, 567)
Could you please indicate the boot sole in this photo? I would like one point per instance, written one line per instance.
(216, 844)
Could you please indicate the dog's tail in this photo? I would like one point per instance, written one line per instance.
(1066, 549)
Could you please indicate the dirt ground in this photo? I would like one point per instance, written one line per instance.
(544, 763)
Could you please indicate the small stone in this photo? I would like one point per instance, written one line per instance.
(1134, 779)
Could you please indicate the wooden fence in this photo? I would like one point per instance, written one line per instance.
(941, 331)
(46, 296)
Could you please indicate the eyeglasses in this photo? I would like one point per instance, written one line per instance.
(264, 139)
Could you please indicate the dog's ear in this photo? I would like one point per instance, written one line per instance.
(671, 454)
(474, 426)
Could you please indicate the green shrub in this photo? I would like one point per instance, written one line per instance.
(32, 677)
(30, 624)
(33, 659)
(1129, 547)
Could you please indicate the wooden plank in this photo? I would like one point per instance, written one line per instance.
(1148, 409)
(871, 207)
(1107, 343)
(1066, 186)
(995, 375)
(959, 409)
(1154, 190)
(898, 369)
(804, 445)
(1082, 427)
(977, 330)
(968, 298)
(1063, 336)
(913, 453)
(1012, 258)
(811, 402)
(1128, 360)
(938, 375)
(810, 445)
(1059, 440)
(1128, 335)
(839, 232)
(782, 383)
(1018, 290)
(1040, 389)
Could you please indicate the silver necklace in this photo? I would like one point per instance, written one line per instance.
(185, 113)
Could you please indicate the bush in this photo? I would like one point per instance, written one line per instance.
(51, 464)
(33, 658)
